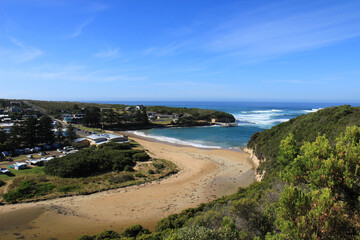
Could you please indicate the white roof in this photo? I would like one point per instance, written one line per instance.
(4, 125)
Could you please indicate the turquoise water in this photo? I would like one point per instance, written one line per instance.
(250, 117)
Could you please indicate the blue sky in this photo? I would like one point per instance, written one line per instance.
(180, 50)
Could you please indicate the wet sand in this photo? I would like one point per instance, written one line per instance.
(204, 176)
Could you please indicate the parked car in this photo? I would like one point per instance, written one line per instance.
(4, 171)
(42, 153)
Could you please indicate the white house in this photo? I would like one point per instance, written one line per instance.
(20, 166)
(103, 138)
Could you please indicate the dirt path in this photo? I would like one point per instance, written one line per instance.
(204, 175)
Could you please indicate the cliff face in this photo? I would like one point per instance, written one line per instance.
(259, 174)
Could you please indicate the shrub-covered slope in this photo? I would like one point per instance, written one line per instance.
(329, 121)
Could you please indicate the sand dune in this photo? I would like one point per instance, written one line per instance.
(204, 175)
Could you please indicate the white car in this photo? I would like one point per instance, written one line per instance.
(4, 170)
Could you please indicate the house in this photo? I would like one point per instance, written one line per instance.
(116, 138)
(129, 108)
(96, 138)
(6, 126)
(103, 138)
(20, 166)
(14, 109)
(6, 119)
(39, 162)
(139, 107)
(19, 151)
(72, 119)
(36, 149)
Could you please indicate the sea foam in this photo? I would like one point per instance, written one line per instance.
(195, 143)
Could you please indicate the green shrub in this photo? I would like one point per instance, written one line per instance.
(134, 231)
(108, 234)
(128, 168)
(86, 162)
(151, 171)
(139, 175)
(141, 157)
(159, 166)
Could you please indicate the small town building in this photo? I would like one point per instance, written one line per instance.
(103, 138)
(20, 166)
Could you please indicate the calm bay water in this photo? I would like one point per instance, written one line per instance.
(250, 117)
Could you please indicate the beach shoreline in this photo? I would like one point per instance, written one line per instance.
(205, 174)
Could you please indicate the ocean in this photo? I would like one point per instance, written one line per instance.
(250, 117)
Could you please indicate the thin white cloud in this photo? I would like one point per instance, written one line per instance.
(264, 35)
(25, 53)
(78, 31)
(18, 43)
(29, 54)
(71, 73)
(110, 53)
(97, 7)
(290, 81)
(169, 49)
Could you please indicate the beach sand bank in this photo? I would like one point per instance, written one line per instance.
(205, 174)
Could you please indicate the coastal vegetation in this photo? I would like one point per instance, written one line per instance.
(310, 190)
(122, 117)
(33, 132)
(94, 169)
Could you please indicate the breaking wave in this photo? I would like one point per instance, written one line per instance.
(195, 143)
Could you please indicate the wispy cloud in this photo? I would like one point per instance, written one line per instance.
(169, 49)
(290, 81)
(78, 31)
(73, 73)
(17, 43)
(97, 7)
(110, 53)
(268, 35)
(23, 53)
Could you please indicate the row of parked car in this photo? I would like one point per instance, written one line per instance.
(37, 162)
(18, 152)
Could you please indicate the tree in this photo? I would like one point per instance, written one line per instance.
(3, 140)
(92, 117)
(30, 131)
(71, 133)
(59, 136)
(287, 150)
(45, 132)
(322, 201)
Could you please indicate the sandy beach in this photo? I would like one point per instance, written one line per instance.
(205, 174)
